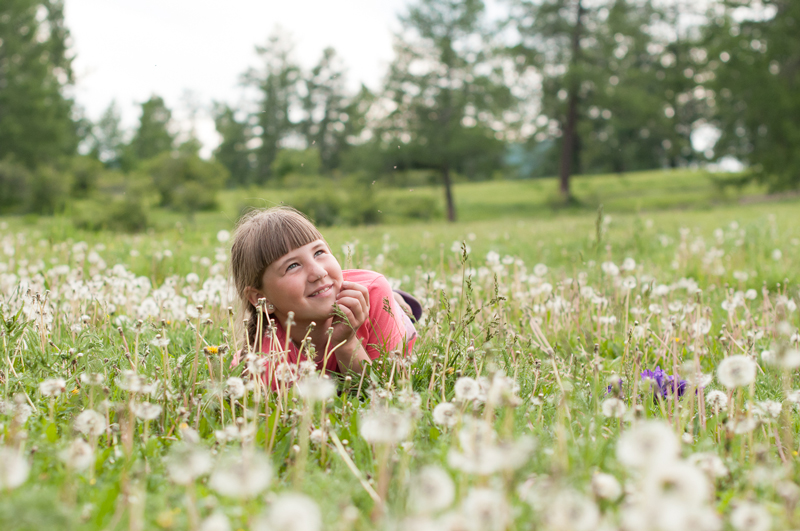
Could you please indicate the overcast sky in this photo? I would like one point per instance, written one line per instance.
(127, 50)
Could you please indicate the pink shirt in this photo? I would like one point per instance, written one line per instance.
(387, 327)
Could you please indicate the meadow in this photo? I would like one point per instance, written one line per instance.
(632, 367)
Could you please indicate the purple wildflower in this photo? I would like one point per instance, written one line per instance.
(663, 383)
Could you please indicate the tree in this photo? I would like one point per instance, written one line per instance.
(233, 151)
(276, 83)
(756, 77)
(153, 136)
(106, 140)
(186, 182)
(325, 112)
(35, 117)
(448, 95)
(619, 81)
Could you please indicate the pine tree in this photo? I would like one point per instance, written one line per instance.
(448, 94)
(36, 123)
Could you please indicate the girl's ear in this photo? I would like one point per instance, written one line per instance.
(252, 295)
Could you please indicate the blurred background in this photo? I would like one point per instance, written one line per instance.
(129, 115)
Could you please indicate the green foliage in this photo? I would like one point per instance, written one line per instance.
(186, 182)
(446, 92)
(232, 151)
(124, 213)
(305, 162)
(755, 79)
(276, 83)
(35, 117)
(105, 139)
(153, 136)
(14, 182)
(84, 175)
(48, 191)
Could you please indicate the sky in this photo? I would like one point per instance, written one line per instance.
(196, 50)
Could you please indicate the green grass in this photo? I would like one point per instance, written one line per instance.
(475, 328)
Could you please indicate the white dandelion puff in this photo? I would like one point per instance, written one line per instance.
(316, 389)
(241, 476)
(647, 443)
(79, 455)
(445, 414)
(736, 371)
(290, 512)
(90, 423)
(432, 490)
(216, 522)
(186, 463)
(717, 400)
(750, 517)
(234, 387)
(466, 389)
(387, 426)
(606, 486)
(53, 387)
(146, 410)
(570, 511)
(614, 407)
(14, 469)
(486, 510)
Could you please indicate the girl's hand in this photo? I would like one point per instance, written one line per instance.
(353, 309)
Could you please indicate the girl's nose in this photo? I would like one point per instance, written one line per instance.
(317, 273)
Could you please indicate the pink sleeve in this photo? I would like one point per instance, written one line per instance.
(385, 329)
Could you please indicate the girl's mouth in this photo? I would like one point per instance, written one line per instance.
(324, 290)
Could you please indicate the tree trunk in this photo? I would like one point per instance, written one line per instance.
(448, 193)
(568, 138)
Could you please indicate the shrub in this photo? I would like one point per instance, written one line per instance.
(14, 179)
(125, 214)
(296, 162)
(186, 182)
(48, 191)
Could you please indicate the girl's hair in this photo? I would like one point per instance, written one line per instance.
(260, 238)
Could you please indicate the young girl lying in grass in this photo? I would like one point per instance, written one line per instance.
(300, 304)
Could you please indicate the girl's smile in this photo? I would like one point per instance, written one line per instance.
(305, 281)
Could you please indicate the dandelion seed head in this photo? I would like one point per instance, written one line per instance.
(485, 510)
(216, 522)
(385, 425)
(647, 443)
(571, 511)
(431, 490)
(186, 463)
(614, 407)
(78, 456)
(605, 486)
(291, 512)
(717, 400)
(316, 388)
(52, 387)
(234, 387)
(750, 517)
(445, 414)
(466, 389)
(736, 371)
(14, 469)
(90, 423)
(146, 410)
(241, 476)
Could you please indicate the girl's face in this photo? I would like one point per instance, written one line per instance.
(305, 281)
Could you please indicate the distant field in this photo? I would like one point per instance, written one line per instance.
(629, 192)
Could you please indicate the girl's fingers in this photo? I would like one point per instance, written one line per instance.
(354, 309)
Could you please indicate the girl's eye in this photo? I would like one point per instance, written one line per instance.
(291, 266)
(319, 252)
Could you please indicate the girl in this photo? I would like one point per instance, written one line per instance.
(284, 270)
